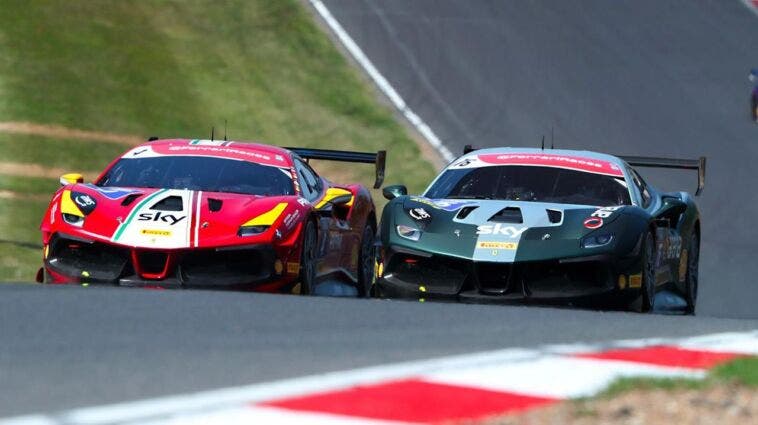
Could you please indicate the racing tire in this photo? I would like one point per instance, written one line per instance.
(366, 261)
(648, 273)
(645, 301)
(691, 279)
(308, 259)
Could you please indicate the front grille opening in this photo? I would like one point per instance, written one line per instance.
(508, 215)
(99, 261)
(554, 216)
(172, 203)
(202, 267)
(494, 277)
(464, 212)
(553, 277)
(153, 262)
(437, 273)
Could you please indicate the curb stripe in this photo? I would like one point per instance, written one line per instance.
(665, 356)
(453, 388)
(414, 401)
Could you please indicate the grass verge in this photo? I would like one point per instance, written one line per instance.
(174, 69)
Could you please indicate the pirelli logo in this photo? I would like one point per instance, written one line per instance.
(496, 245)
(151, 232)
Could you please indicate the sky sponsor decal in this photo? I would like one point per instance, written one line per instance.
(500, 229)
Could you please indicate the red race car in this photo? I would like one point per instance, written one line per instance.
(213, 214)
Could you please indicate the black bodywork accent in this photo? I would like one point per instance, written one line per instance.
(89, 261)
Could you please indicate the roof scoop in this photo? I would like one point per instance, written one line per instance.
(508, 215)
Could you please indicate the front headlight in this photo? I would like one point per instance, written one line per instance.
(596, 241)
(251, 230)
(72, 219)
(408, 232)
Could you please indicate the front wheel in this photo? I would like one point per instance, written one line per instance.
(691, 279)
(308, 259)
(645, 302)
(366, 261)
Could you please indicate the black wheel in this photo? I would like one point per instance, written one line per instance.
(691, 280)
(648, 273)
(366, 261)
(308, 259)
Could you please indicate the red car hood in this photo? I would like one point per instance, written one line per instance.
(170, 218)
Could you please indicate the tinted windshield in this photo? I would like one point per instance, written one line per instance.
(199, 173)
(526, 183)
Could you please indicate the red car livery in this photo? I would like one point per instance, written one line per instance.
(213, 214)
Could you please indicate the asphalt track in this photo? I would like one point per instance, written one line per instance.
(640, 77)
(634, 77)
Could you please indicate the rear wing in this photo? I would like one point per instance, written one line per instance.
(379, 159)
(685, 164)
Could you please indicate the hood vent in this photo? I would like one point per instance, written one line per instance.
(508, 215)
(464, 212)
(129, 199)
(215, 204)
(554, 216)
(172, 203)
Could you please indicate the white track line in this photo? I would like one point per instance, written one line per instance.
(380, 81)
(750, 5)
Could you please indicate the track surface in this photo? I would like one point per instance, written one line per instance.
(100, 345)
(642, 77)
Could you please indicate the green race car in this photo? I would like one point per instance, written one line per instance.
(529, 224)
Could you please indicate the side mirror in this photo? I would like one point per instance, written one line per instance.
(71, 178)
(392, 192)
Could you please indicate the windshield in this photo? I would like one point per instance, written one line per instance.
(199, 173)
(528, 183)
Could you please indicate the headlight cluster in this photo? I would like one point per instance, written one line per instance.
(74, 220)
(408, 232)
(596, 241)
(251, 230)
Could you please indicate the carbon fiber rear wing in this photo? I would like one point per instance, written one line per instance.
(686, 164)
(379, 159)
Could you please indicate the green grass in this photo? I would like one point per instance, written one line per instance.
(174, 69)
(743, 371)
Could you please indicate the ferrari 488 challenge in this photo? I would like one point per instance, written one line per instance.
(524, 224)
(212, 214)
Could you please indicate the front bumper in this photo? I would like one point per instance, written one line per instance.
(74, 260)
(415, 274)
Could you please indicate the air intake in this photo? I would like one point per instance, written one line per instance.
(464, 212)
(130, 198)
(215, 204)
(172, 203)
(508, 215)
(554, 216)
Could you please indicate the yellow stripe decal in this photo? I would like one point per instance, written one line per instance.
(68, 206)
(332, 193)
(268, 218)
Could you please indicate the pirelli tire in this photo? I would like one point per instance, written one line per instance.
(691, 279)
(645, 302)
(366, 260)
(308, 259)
